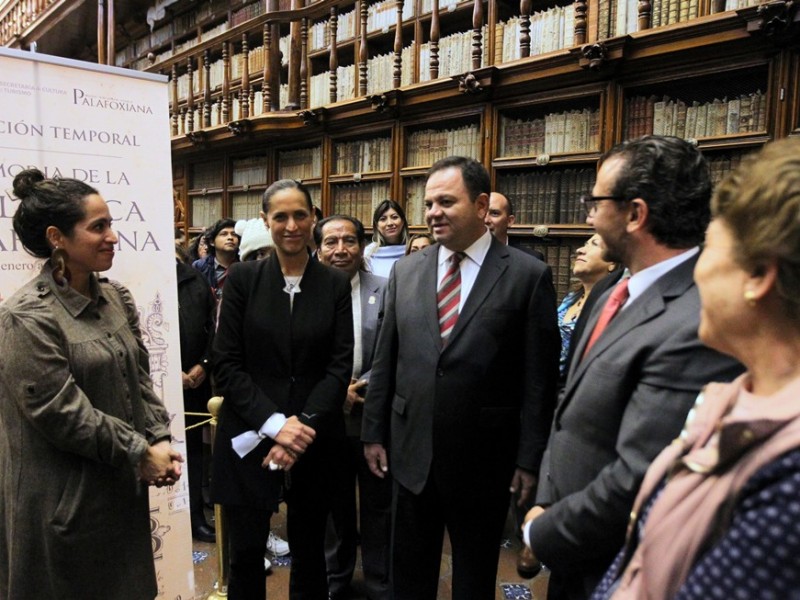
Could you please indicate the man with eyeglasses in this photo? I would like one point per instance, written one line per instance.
(638, 366)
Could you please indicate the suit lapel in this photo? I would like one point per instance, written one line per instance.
(494, 265)
(645, 308)
(369, 314)
(424, 294)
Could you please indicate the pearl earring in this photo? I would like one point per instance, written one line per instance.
(750, 297)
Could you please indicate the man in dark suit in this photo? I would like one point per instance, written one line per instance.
(630, 387)
(340, 244)
(462, 387)
(499, 217)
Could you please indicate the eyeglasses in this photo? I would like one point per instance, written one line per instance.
(589, 202)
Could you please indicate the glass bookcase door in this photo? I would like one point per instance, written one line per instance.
(359, 200)
(205, 210)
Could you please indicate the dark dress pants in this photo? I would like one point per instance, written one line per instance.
(308, 501)
(248, 530)
(308, 490)
(473, 509)
(374, 516)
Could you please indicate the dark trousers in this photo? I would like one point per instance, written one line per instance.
(474, 514)
(248, 530)
(309, 487)
(374, 515)
(194, 456)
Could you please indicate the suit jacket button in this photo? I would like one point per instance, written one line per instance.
(440, 372)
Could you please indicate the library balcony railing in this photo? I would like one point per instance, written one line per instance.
(265, 65)
(18, 15)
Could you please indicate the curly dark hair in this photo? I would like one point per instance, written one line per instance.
(44, 203)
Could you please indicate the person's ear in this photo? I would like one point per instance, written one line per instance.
(638, 212)
(482, 205)
(54, 236)
(512, 219)
(760, 282)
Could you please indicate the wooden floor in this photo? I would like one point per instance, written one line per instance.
(509, 584)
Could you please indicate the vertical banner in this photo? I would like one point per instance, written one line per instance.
(108, 127)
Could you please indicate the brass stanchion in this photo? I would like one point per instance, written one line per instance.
(221, 586)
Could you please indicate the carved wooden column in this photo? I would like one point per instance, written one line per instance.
(304, 63)
(580, 22)
(524, 31)
(226, 83)
(363, 53)
(435, 31)
(295, 54)
(477, 34)
(207, 88)
(266, 80)
(244, 95)
(190, 95)
(173, 86)
(644, 15)
(397, 73)
(333, 64)
(110, 38)
(101, 32)
(275, 57)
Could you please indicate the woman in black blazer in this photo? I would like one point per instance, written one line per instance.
(283, 355)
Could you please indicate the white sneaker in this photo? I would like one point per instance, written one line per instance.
(267, 564)
(277, 546)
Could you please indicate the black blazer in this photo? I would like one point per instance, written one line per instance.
(268, 360)
(196, 315)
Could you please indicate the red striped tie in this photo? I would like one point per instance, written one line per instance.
(615, 301)
(449, 296)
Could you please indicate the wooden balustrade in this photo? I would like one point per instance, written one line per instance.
(226, 98)
(16, 17)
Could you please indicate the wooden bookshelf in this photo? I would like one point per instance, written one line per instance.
(350, 96)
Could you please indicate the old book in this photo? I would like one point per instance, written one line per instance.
(680, 118)
(745, 113)
(720, 119)
(691, 120)
(659, 109)
(733, 116)
(655, 13)
(702, 118)
(549, 133)
(538, 134)
(649, 105)
(594, 130)
(551, 215)
(761, 124)
(569, 130)
(603, 15)
(499, 32)
(672, 11)
(683, 10)
(569, 190)
(669, 118)
(621, 25)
